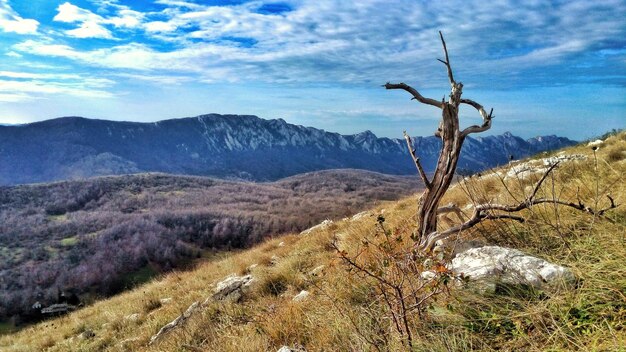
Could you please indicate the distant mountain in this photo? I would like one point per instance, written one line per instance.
(225, 146)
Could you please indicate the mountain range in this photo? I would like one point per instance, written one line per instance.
(226, 146)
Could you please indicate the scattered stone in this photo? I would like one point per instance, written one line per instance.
(87, 334)
(274, 260)
(321, 226)
(251, 267)
(525, 170)
(233, 288)
(428, 275)
(317, 271)
(176, 322)
(58, 308)
(491, 264)
(563, 157)
(296, 348)
(360, 215)
(132, 317)
(165, 300)
(303, 295)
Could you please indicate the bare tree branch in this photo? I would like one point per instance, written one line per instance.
(447, 62)
(451, 208)
(486, 118)
(483, 212)
(416, 95)
(416, 160)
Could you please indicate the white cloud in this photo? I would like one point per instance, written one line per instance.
(22, 86)
(160, 26)
(11, 21)
(13, 54)
(14, 98)
(90, 30)
(89, 22)
(71, 13)
(338, 41)
(29, 75)
(92, 25)
(126, 19)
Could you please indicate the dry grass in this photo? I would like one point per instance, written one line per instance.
(340, 315)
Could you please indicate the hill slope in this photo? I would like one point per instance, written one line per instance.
(340, 313)
(224, 146)
(99, 236)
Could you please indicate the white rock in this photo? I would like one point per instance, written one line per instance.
(282, 244)
(321, 226)
(176, 322)
(291, 349)
(524, 170)
(87, 334)
(493, 263)
(233, 287)
(301, 296)
(595, 143)
(132, 317)
(165, 300)
(428, 275)
(317, 271)
(360, 215)
(563, 157)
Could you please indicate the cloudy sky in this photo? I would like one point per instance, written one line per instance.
(545, 67)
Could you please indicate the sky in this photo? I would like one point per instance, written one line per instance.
(545, 67)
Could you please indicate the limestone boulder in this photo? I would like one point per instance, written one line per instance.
(493, 264)
(233, 288)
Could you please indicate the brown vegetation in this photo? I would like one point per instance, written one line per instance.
(99, 236)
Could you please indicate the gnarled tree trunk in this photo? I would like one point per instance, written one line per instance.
(452, 138)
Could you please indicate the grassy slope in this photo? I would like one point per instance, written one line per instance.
(590, 317)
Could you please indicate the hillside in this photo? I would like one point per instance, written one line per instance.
(96, 237)
(225, 146)
(341, 314)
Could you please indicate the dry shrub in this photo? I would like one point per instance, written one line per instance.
(615, 153)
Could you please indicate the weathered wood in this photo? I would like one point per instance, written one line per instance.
(416, 95)
(416, 160)
(452, 141)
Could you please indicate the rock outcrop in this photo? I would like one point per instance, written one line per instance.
(493, 264)
(233, 288)
(303, 295)
(321, 226)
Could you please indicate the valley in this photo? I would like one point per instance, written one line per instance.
(100, 236)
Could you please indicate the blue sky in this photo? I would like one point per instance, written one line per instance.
(545, 67)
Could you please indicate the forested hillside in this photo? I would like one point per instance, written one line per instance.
(98, 236)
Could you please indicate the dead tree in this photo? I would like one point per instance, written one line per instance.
(452, 138)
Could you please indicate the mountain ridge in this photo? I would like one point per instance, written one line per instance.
(225, 146)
